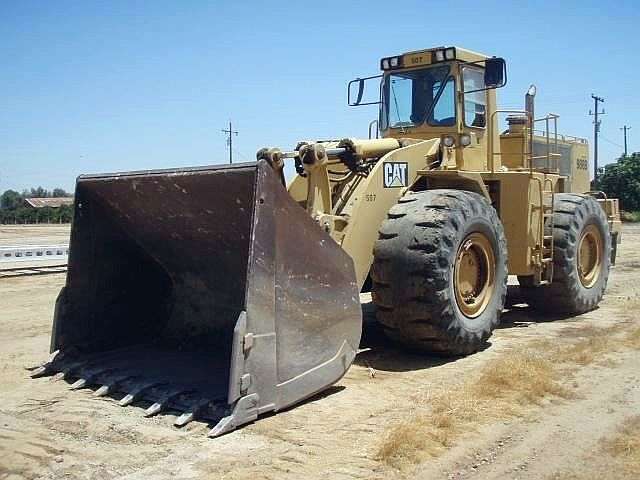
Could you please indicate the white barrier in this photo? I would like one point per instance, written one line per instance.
(30, 253)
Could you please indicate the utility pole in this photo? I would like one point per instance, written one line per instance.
(625, 129)
(596, 130)
(230, 133)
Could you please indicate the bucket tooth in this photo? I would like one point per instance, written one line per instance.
(112, 385)
(223, 426)
(154, 409)
(102, 391)
(190, 416)
(48, 365)
(89, 378)
(41, 371)
(55, 355)
(162, 403)
(68, 370)
(78, 384)
(128, 399)
(185, 418)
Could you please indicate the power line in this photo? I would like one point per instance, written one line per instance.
(596, 130)
(610, 141)
(242, 155)
(230, 132)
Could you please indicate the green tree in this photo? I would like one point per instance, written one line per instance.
(25, 215)
(36, 193)
(622, 180)
(10, 200)
(65, 213)
(13, 209)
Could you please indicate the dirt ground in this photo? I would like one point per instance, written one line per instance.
(42, 234)
(49, 432)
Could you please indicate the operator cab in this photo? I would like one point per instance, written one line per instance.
(419, 92)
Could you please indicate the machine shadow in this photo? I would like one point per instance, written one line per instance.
(518, 314)
(327, 392)
(380, 353)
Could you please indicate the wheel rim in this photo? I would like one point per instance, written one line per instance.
(590, 256)
(474, 274)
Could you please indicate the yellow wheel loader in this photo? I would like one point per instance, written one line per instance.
(222, 294)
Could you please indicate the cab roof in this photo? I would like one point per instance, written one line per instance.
(430, 56)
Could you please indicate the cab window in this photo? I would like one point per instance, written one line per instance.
(444, 112)
(418, 96)
(475, 103)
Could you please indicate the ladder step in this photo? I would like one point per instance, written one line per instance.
(547, 260)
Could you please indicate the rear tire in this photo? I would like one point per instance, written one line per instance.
(581, 258)
(440, 271)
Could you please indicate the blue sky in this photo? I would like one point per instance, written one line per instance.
(93, 86)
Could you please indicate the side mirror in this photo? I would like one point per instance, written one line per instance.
(356, 92)
(495, 72)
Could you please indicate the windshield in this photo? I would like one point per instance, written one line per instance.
(416, 96)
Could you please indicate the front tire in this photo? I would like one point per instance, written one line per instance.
(581, 258)
(440, 271)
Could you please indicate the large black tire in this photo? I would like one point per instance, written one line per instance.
(413, 271)
(573, 217)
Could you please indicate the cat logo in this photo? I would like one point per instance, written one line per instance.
(396, 174)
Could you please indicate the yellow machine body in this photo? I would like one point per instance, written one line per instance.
(224, 293)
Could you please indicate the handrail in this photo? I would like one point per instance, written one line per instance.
(548, 156)
(371, 124)
(562, 137)
(546, 119)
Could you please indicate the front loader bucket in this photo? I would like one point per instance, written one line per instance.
(206, 291)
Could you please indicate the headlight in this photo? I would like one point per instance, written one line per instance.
(449, 141)
(465, 139)
(443, 54)
(391, 62)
